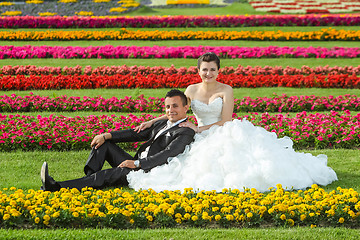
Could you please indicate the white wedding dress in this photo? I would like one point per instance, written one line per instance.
(237, 155)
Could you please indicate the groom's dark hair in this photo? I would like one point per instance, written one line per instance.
(175, 92)
(209, 57)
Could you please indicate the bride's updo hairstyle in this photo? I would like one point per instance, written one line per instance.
(208, 57)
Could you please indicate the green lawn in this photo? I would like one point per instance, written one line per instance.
(21, 169)
(15, 172)
(238, 92)
(188, 233)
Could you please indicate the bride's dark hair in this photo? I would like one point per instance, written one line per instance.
(208, 57)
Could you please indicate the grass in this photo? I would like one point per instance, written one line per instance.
(178, 43)
(238, 92)
(25, 174)
(182, 62)
(233, 9)
(188, 233)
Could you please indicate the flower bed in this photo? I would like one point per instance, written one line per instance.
(160, 70)
(305, 6)
(22, 82)
(325, 34)
(117, 208)
(283, 103)
(19, 132)
(181, 21)
(70, 8)
(117, 52)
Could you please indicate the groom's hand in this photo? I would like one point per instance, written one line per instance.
(127, 164)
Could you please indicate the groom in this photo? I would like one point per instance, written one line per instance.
(164, 139)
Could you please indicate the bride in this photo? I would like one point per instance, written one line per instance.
(230, 153)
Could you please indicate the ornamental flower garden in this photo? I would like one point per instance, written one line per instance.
(311, 121)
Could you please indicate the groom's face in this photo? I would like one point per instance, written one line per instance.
(175, 110)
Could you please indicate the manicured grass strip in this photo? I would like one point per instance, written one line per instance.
(22, 169)
(304, 233)
(240, 43)
(284, 62)
(161, 92)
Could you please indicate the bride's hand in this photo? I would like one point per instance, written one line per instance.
(189, 125)
(143, 126)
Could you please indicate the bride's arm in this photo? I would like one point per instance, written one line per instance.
(149, 123)
(226, 114)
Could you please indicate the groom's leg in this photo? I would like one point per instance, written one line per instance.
(105, 178)
(108, 151)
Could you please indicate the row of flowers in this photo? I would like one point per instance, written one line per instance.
(111, 52)
(68, 8)
(283, 103)
(307, 130)
(181, 21)
(22, 82)
(148, 209)
(160, 70)
(326, 34)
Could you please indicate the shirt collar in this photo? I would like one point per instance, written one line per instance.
(170, 124)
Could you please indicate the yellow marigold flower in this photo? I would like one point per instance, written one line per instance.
(56, 214)
(6, 217)
(187, 216)
(302, 217)
(132, 221)
(178, 215)
(311, 214)
(249, 215)
(290, 222)
(75, 214)
(37, 220)
(194, 218)
(178, 220)
(313, 226)
(150, 218)
(341, 220)
(279, 186)
(282, 217)
(217, 217)
(230, 217)
(46, 218)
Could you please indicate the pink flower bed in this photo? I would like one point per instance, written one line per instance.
(159, 70)
(335, 129)
(180, 21)
(283, 103)
(100, 52)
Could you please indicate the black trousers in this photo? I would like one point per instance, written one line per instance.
(97, 178)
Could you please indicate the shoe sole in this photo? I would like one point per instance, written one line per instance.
(43, 173)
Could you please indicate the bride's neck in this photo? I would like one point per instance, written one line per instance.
(209, 87)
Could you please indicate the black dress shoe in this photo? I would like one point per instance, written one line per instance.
(48, 183)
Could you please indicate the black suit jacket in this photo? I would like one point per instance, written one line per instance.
(170, 143)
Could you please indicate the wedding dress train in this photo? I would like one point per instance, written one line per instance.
(236, 155)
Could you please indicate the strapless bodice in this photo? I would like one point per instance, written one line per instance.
(207, 113)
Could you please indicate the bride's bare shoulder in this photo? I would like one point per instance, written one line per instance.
(226, 88)
(191, 89)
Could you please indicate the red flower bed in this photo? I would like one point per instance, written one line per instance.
(22, 82)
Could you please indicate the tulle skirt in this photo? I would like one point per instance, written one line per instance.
(237, 155)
